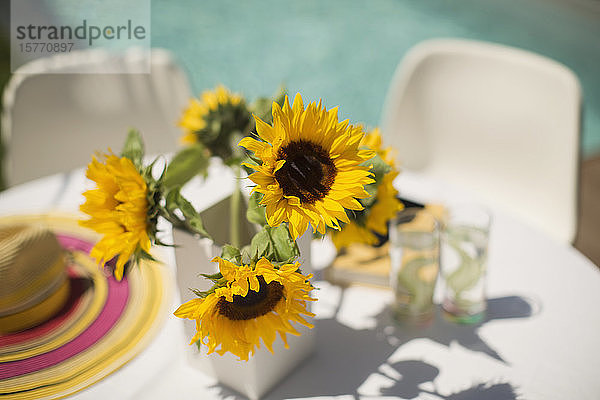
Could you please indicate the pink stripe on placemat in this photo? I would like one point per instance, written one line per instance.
(118, 293)
(74, 243)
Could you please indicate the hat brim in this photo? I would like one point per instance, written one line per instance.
(103, 324)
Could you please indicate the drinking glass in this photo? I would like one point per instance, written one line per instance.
(464, 256)
(414, 256)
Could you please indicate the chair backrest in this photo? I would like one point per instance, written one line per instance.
(53, 120)
(501, 122)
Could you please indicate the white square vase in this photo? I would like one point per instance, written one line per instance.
(253, 378)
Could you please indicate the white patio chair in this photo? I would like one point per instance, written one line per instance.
(54, 119)
(501, 122)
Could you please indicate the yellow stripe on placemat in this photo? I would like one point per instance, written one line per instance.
(100, 287)
(147, 308)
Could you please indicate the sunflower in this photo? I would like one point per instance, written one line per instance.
(374, 218)
(254, 302)
(309, 168)
(118, 208)
(215, 119)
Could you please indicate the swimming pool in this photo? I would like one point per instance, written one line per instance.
(346, 51)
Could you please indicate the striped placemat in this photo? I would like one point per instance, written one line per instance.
(103, 325)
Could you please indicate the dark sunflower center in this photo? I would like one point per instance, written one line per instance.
(254, 304)
(308, 172)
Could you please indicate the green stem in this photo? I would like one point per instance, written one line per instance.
(234, 210)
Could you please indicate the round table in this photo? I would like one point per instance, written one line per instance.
(538, 341)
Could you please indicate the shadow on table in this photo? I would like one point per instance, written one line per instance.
(346, 357)
(414, 373)
(445, 332)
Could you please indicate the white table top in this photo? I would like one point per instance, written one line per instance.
(539, 340)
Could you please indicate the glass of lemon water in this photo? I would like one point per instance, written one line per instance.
(415, 260)
(464, 255)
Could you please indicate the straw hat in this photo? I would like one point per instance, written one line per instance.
(86, 323)
(33, 276)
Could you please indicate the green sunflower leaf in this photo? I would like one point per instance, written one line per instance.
(134, 147)
(275, 244)
(159, 242)
(231, 253)
(200, 293)
(194, 221)
(191, 218)
(260, 245)
(285, 247)
(143, 255)
(172, 202)
(213, 277)
(246, 255)
(378, 167)
(148, 173)
(256, 212)
(186, 164)
(369, 201)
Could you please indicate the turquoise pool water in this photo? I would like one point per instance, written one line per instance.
(346, 51)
